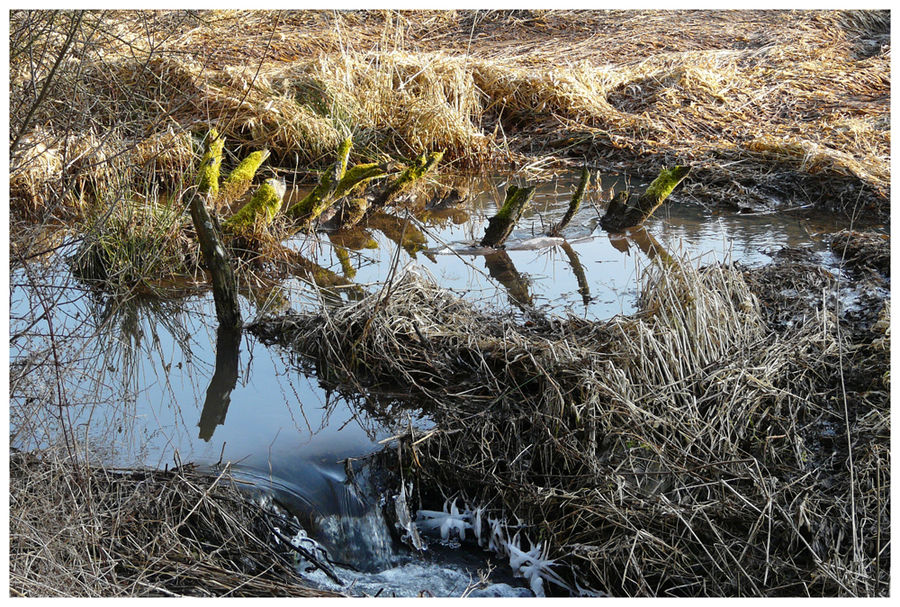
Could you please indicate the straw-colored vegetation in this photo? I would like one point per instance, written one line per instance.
(136, 245)
(786, 104)
(708, 445)
(96, 532)
(689, 450)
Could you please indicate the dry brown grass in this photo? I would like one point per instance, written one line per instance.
(77, 531)
(689, 450)
(784, 104)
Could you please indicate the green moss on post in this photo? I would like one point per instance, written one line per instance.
(623, 214)
(357, 176)
(260, 211)
(501, 225)
(422, 165)
(321, 196)
(208, 174)
(574, 204)
(240, 178)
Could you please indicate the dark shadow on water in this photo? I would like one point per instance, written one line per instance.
(644, 241)
(224, 379)
(649, 245)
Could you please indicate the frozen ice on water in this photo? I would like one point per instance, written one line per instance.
(496, 541)
(447, 522)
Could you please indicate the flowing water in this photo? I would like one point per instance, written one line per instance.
(142, 385)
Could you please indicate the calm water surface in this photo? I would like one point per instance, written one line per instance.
(141, 371)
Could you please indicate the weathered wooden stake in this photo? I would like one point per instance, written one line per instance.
(212, 248)
(208, 182)
(404, 181)
(356, 176)
(321, 196)
(623, 214)
(501, 225)
(260, 211)
(218, 263)
(574, 204)
(238, 181)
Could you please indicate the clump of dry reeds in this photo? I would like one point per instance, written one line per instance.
(82, 531)
(689, 450)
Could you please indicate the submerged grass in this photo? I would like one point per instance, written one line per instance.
(690, 450)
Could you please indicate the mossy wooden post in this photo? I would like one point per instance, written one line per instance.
(623, 214)
(211, 246)
(238, 181)
(501, 225)
(422, 165)
(356, 176)
(320, 198)
(574, 204)
(260, 211)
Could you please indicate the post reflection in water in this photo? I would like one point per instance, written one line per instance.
(644, 240)
(224, 379)
(583, 289)
(649, 245)
(501, 268)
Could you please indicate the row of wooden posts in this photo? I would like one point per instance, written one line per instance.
(340, 185)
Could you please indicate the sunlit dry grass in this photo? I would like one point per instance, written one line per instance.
(764, 104)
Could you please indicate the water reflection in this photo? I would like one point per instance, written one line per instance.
(645, 242)
(502, 269)
(578, 270)
(224, 379)
(402, 232)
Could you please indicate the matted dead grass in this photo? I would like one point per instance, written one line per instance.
(767, 105)
(691, 450)
(78, 531)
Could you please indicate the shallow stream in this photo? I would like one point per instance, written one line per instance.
(140, 387)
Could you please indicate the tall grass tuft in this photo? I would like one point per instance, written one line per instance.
(135, 244)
